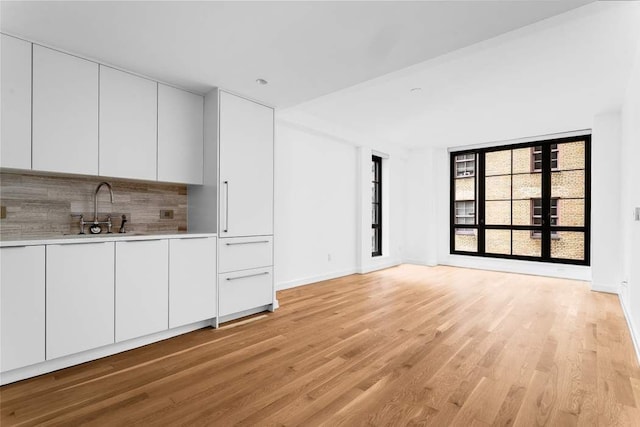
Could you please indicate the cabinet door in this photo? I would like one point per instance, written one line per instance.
(142, 288)
(128, 125)
(22, 294)
(180, 136)
(244, 290)
(80, 301)
(65, 113)
(15, 139)
(244, 253)
(246, 167)
(192, 280)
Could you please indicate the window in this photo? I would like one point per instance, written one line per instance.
(465, 165)
(506, 201)
(465, 214)
(536, 216)
(536, 157)
(376, 206)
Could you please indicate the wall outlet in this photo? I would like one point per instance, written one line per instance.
(3, 212)
(637, 214)
(166, 213)
(328, 257)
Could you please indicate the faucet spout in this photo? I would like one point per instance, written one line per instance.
(95, 199)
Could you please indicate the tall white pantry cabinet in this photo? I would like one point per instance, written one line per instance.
(236, 201)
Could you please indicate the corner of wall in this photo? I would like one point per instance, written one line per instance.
(635, 334)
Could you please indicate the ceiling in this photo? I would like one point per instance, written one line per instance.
(304, 49)
(550, 77)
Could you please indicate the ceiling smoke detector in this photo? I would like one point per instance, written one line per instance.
(262, 82)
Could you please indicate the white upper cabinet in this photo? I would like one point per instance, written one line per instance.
(15, 139)
(180, 136)
(128, 125)
(246, 167)
(22, 306)
(142, 288)
(65, 113)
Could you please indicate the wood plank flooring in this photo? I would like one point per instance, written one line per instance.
(404, 346)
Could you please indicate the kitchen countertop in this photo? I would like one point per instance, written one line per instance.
(92, 238)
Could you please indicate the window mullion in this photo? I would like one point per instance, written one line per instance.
(546, 203)
(480, 200)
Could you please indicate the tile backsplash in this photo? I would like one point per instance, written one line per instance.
(41, 205)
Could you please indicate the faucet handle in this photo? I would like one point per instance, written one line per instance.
(82, 223)
(122, 224)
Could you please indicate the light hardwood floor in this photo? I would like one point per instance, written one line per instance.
(404, 346)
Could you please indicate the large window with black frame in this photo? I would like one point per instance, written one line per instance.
(376, 206)
(528, 201)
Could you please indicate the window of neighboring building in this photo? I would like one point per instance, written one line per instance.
(536, 216)
(465, 165)
(536, 157)
(465, 214)
(376, 206)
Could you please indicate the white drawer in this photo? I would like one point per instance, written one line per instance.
(243, 253)
(244, 290)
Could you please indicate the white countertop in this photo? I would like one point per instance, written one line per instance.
(92, 238)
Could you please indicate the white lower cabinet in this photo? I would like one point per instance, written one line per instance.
(80, 297)
(192, 280)
(142, 288)
(244, 290)
(243, 253)
(22, 306)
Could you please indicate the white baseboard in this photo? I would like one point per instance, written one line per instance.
(601, 287)
(562, 271)
(379, 264)
(431, 263)
(635, 334)
(313, 279)
(96, 353)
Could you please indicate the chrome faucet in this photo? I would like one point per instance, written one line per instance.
(95, 227)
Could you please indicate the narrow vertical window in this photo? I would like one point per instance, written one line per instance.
(376, 206)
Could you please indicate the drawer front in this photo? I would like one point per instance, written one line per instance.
(243, 253)
(244, 290)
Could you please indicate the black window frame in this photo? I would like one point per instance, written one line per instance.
(376, 204)
(547, 231)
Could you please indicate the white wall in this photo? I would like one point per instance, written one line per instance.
(323, 206)
(630, 199)
(315, 209)
(606, 251)
(421, 195)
